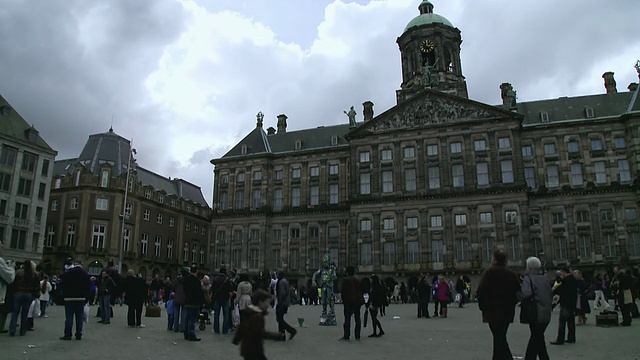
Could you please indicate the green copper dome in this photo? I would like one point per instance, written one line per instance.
(427, 17)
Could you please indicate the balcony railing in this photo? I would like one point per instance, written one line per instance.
(97, 251)
(21, 222)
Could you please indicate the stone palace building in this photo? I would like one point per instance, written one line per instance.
(437, 182)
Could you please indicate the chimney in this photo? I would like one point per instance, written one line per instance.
(508, 96)
(367, 110)
(609, 82)
(282, 123)
(271, 130)
(633, 87)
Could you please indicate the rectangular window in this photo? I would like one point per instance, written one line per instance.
(8, 155)
(278, 175)
(365, 225)
(18, 239)
(432, 150)
(482, 170)
(240, 199)
(172, 221)
(314, 171)
(461, 219)
(549, 149)
(240, 177)
(71, 235)
(560, 244)
(513, 243)
(277, 235)
(504, 143)
(365, 254)
(387, 181)
(45, 167)
(99, 232)
(634, 244)
(202, 253)
(333, 194)
(576, 174)
(51, 236)
(625, 172)
(314, 195)
(104, 179)
(584, 246)
(334, 232)
(511, 217)
(486, 218)
(194, 252)
(409, 152)
(412, 223)
(619, 142)
(42, 190)
(582, 216)
(527, 151)
(255, 234)
(313, 232)
(606, 215)
(413, 252)
(487, 249)
(462, 249)
(507, 171)
(278, 199)
(410, 180)
(148, 194)
(333, 169)
(295, 233)
(187, 226)
(601, 172)
(54, 205)
(256, 199)
(365, 183)
(254, 258)
(386, 155)
(156, 246)
(456, 147)
(223, 200)
(609, 243)
(102, 204)
(389, 253)
(458, 175)
(437, 251)
(335, 255)
(146, 214)
(436, 221)
(257, 175)
(530, 177)
(24, 187)
(365, 157)
(295, 173)
(389, 224)
(557, 218)
(596, 144)
(630, 214)
(276, 257)
(161, 198)
(5, 182)
(553, 179)
(29, 161)
(159, 218)
(573, 147)
(220, 258)
(480, 145)
(434, 177)
(126, 240)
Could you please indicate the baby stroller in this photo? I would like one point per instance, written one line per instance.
(203, 318)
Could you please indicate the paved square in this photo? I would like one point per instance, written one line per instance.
(462, 336)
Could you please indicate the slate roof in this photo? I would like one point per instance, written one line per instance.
(15, 126)
(113, 148)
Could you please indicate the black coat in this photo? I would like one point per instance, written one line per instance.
(135, 289)
(497, 294)
(424, 290)
(193, 294)
(568, 292)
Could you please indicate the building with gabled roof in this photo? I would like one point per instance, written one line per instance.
(166, 222)
(438, 182)
(26, 163)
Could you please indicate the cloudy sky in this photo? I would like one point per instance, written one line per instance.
(185, 78)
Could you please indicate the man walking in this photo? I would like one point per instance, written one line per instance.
(106, 289)
(568, 292)
(283, 295)
(352, 301)
(497, 299)
(76, 289)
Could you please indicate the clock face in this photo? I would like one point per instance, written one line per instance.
(427, 46)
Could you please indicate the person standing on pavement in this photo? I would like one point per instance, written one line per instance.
(497, 296)
(156, 284)
(536, 284)
(135, 291)
(283, 295)
(45, 291)
(26, 286)
(568, 292)
(623, 283)
(7, 276)
(352, 301)
(221, 292)
(106, 288)
(178, 301)
(424, 293)
(193, 300)
(76, 289)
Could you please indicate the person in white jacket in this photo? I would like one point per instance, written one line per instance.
(7, 275)
(45, 290)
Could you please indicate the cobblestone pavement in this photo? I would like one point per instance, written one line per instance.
(461, 336)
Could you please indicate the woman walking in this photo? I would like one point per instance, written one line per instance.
(26, 285)
(444, 295)
(536, 284)
(376, 301)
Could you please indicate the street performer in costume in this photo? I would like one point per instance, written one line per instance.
(328, 275)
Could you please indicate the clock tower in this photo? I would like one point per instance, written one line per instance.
(430, 53)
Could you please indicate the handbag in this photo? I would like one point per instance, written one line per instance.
(529, 308)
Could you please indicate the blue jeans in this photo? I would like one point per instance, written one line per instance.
(224, 306)
(71, 309)
(21, 304)
(105, 308)
(190, 324)
(178, 317)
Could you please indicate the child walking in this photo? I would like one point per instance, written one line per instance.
(252, 333)
(170, 312)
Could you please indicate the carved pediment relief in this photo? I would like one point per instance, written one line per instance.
(429, 109)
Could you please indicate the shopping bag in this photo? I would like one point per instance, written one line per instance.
(34, 309)
(458, 298)
(85, 316)
(235, 316)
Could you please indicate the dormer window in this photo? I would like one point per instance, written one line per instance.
(334, 140)
(244, 150)
(588, 112)
(298, 145)
(544, 116)
(148, 194)
(104, 179)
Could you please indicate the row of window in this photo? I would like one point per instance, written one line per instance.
(313, 232)
(19, 239)
(29, 161)
(235, 257)
(278, 197)
(25, 186)
(278, 174)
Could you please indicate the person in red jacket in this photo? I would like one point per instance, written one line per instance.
(444, 297)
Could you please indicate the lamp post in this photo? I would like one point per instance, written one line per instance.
(124, 208)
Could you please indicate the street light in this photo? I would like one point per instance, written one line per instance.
(124, 208)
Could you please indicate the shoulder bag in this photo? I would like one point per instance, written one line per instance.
(528, 307)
